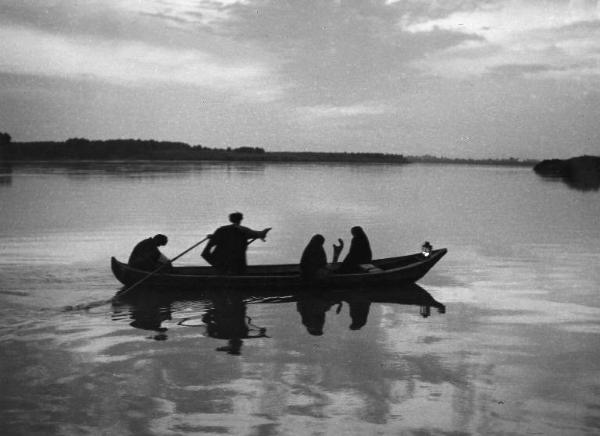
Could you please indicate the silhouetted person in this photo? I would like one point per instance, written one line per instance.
(313, 263)
(147, 256)
(226, 249)
(313, 259)
(359, 253)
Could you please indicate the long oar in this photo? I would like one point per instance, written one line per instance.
(143, 279)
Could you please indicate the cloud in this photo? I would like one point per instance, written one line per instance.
(130, 63)
(562, 37)
(506, 20)
(206, 12)
(337, 52)
(345, 122)
(329, 111)
(98, 16)
(522, 69)
(337, 74)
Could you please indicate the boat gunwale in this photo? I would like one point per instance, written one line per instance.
(435, 256)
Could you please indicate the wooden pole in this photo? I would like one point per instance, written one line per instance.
(126, 290)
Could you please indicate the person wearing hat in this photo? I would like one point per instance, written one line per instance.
(147, 256)
(226, 249)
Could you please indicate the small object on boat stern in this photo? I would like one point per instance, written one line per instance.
(426, 248)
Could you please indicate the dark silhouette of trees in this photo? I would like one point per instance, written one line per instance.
(5, 146)
(5, 138)
(249, 150)
(511, 161)
(137, 149)
(582, 172)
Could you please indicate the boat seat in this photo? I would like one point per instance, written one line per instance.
(369, 267)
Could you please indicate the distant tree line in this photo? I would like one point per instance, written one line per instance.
(511, 161)
(138, 149)
(313, 156)
(581, 172)
(5, 140)
(116, 149)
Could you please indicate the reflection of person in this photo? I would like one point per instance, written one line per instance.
(227, 320)
(359, 311)
(147, 256)
(226, 249)
(234, 347)
(359, 253)
(151, 320)
(313, 263)
(148, 313)
(312, 311)
(425, 310)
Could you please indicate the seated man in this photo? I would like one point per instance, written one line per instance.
(147, 256)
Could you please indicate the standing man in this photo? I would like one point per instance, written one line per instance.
(226, 249)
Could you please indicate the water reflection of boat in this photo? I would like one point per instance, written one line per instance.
(386, 272)
(224, 313)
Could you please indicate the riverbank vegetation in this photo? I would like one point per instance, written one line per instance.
(582, 172)
(137, 149)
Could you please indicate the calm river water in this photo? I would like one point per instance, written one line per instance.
(502, 337)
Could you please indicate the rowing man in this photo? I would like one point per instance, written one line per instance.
(147, 256)
(226, 249)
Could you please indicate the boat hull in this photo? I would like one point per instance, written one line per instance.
(390, 271)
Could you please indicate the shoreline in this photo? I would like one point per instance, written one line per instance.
(129, 150)
(62, 161)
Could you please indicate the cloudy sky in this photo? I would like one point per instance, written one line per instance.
(459, 78)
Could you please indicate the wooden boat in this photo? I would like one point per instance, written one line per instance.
(384, 272)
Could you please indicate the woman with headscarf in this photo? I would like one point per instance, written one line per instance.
(313, 263)
(313, 258)
(359, 253)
